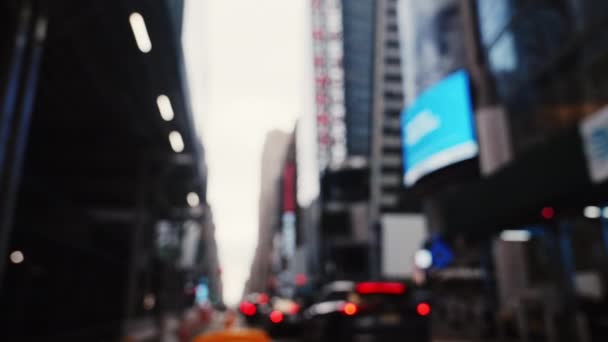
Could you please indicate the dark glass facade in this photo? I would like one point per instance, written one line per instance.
(358, 63)
(548, 59)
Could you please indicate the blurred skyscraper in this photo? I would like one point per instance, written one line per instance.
(386, 160)
(273, 156)
(329, 82)
(358, 22)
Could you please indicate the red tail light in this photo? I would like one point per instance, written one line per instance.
(276, 317)
(248, 309)
(263, 298)
(350, 309)
(294, 309)
(423, 309)
(380, 288)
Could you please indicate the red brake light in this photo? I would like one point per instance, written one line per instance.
(423, 309)
(350, 309)
(295, 308)
(263, 298)
(380, 288)
(248, 309)
(276, 317)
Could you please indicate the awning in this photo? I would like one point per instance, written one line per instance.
(552, 174)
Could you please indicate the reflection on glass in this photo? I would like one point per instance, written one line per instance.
(493, 18)
(502, 56)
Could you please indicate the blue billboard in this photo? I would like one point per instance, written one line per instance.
(438, 128)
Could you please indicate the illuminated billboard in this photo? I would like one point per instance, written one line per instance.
(438, 128)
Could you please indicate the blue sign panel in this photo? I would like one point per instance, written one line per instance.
(441, 252)
(438, 128)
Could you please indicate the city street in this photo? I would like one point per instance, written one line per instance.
(327, 170)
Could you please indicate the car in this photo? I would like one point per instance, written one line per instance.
(373, 310)
(284, 319)
(255, 307)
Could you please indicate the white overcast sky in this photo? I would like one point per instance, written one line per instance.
(248, 68)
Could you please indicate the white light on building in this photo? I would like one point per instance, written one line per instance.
(193, 199)
(164, 107)
(515, 235)
(176, 141)
(423, 259)
(17, 257)
(592, 212)
(138, 25)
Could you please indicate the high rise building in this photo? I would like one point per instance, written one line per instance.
(134, 170)
(387, 162)
(343, 100)
(343, 45)
(359, 34)
(358, 22)
(273, 157)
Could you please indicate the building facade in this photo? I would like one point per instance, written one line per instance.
(534, 85)
(273, 157)
(358, 35)
(330, 109)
